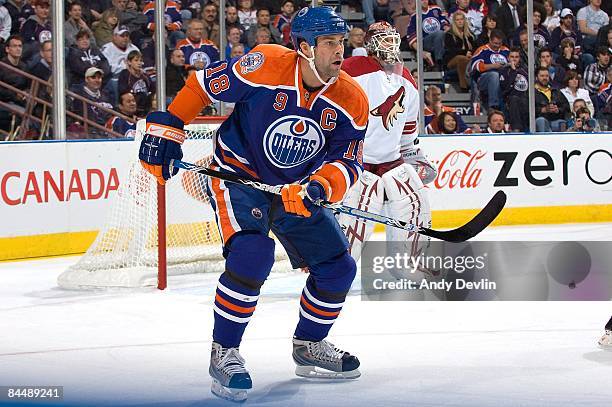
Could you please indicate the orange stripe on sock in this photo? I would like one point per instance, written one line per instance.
(318, 311)
(233, 307)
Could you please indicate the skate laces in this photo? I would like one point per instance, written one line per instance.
(325, 351)
(230, 361)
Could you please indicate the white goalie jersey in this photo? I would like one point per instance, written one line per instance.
(394, 104)
(394, 167)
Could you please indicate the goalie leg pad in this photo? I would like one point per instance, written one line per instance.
(324, 295)
(367, 194)
(249, 261)
(408, 201)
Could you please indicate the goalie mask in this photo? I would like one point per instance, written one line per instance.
(383, 41)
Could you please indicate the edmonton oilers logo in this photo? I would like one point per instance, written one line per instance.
(292, 140)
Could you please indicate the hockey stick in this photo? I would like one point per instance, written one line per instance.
(460, 234)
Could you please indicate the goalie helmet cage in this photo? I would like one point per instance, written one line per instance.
(128, 250)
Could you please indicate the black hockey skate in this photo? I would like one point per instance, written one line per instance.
(323, 360)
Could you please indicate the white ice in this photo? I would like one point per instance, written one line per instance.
(147, 347)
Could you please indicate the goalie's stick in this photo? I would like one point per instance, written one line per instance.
(461, 234)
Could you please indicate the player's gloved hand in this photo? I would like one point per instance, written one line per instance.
(298, 198)
(414, 156)
(161, 143)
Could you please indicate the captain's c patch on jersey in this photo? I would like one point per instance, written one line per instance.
(292, 140)
(251, 62)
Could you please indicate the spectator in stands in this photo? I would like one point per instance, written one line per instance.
(127, 107)
(263, 21)
(552, 15)
(508, 20)
(238, 50)
(133, 19)
(400, 12)
(246, 13)
(93, 9)
(262, 36)
(355, 41)
(566, 29)
(198, 52)
(371, 8)
(583, 122)
(116, 52)
(446, 123)
(590, 19)
(74, 24)
(514, 84)
(5, 23)
(434, 108)
(568, 60)
(557, 74)
(551, 106)
(176, 74)
(20, 11)
(541, 35)
(485, 65)
(524, 44)
(103, 29)
(82, 56)
(172, 18)
(42, 69)
(233, 39)
(91, 89)
(191, 9)
(458, 44)
(578, 103)
(13, 49)
(473, 15)
(36, 29)
(435, 24)
(595, 74)
(211, 27)
(231, 19)
(282, 21)
(489, 23)
(496, 122)
(604, 102)
(573, 91)
(133, 79)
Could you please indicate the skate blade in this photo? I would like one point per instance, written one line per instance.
(313, 372)
(227, 393)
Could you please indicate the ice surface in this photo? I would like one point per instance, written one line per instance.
(146, 347)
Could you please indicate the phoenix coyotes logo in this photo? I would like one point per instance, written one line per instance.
(390, 108)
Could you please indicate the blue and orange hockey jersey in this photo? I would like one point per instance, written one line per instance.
(204, 51)
(172, 16)
(279, 132)
(485, 55)
(434, 19)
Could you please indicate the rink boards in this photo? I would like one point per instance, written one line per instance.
(54, 195)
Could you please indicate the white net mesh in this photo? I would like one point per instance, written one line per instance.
(124, 253)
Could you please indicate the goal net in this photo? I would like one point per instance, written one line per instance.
(125, 252)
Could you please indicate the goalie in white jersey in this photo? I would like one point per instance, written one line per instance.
(395, 169)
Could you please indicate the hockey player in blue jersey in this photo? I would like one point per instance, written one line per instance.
(299, 121)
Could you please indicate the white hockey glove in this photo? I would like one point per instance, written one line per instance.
(413, 155)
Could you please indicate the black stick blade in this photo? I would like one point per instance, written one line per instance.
(473, 227)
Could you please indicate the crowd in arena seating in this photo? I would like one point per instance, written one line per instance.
(479, 45)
